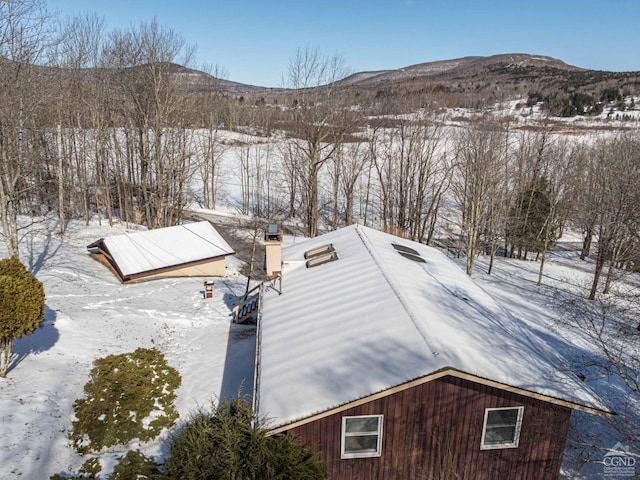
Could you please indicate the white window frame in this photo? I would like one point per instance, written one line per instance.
(344, 435)
(516, 435)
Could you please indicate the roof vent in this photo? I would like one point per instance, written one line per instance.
(315, 252)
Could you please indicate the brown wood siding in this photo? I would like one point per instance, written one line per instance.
(433, 431)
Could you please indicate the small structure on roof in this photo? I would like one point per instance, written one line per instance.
(392, 363)
(272, 245)
(188, 250)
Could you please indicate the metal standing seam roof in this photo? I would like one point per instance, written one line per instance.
(375, 319)
(149, 250)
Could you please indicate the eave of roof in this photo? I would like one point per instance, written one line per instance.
(147, 273)
(448, 371)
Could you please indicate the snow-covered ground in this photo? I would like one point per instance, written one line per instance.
(89, 315)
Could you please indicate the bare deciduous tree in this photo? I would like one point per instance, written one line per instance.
(25, 37)
(611, 324)
(320, 120)
(352, 159)
(211, 148)
(152, 111)
(479, 161)
(413, 174)
(615, 170)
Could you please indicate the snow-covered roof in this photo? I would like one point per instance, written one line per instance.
(139, 252)
(378, 317)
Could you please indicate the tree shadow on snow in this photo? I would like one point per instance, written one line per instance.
(41, 340)
(237, 377)
(229, 300)
(46, 252)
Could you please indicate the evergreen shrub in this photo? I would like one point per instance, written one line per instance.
(231, 443)
(128, 396)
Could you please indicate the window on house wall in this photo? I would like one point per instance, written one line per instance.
(501, 428)
(362, 436)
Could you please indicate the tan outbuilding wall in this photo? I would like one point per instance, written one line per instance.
(212, 268)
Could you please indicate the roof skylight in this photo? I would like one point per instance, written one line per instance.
(408, 252)
(405, 249)
(324, 249)
(411, 256)
(322, 259)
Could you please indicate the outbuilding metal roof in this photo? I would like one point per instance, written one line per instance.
(139, 252)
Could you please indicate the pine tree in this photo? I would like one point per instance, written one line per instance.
(231, 443)
(529, 216)
(21, 306)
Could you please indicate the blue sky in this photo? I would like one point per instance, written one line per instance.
(254, 40)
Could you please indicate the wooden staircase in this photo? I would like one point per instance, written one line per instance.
(248, 305)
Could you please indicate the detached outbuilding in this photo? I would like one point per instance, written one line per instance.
(391, 363)
(188, 250)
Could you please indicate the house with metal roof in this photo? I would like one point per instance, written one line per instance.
(187, 250)
(385, 358)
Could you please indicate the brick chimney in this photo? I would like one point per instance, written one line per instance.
(273, 250)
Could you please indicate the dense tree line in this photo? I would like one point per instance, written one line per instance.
(568, 104)
(97, 122)
(518, 192)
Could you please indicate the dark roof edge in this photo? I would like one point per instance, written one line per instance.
(443, 372)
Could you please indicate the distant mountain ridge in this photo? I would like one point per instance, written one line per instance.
(473, 81)
(478, 80)
(202, 79)
(444, 69)
(436, 71)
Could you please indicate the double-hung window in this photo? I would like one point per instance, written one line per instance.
(501, 428)
(361, 436)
